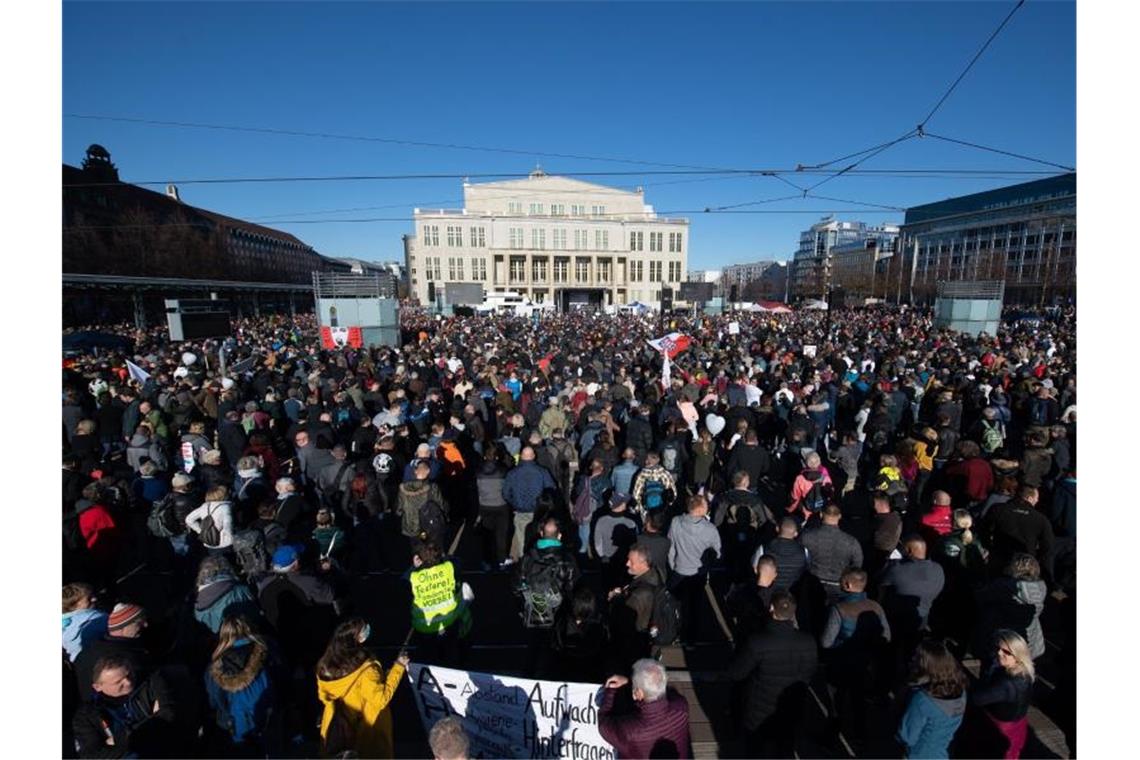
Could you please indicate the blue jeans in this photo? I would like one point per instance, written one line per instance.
(584, 537)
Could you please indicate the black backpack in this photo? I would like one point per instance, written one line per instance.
(163, 520)
(433, 521)
(815, 499)
(665, 624)
(210, 535)
(250, 552)
(542, 595)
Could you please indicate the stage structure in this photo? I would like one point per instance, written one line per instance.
(352, 310)
(969, 306)
(197, 318)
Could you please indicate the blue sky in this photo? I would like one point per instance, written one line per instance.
(735, 85)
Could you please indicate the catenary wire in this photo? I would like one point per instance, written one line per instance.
(998, 150)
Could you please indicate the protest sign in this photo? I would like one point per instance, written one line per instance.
(513, 717)
(734, 328)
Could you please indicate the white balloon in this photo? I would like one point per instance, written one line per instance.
(715, 424)
(227, 383)
(189, 358)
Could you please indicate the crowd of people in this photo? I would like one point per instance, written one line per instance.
(865, 502)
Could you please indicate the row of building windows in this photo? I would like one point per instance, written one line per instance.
(559, 238)
(555, 209)
(456, 270)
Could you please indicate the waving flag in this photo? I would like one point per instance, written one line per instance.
(137, 372)
(671, 344)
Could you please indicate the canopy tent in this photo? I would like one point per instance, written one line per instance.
(815, 305)
(638, 306)
(774, 307)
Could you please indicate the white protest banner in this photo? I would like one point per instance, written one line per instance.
(513, 717)
(734, 328)
(809, 351)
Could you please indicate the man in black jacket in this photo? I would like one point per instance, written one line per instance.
(639, 433)
(750, 457)
(778, 664)
(129, 715)
(1018, 526)
(546, 579)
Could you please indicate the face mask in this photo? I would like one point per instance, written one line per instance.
(365, 632)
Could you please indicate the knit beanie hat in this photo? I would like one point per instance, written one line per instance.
(123, 615)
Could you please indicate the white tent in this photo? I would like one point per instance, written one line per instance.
(816, 305)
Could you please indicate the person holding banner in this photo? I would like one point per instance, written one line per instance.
(658, 726)
(355, 693)
(441, 617)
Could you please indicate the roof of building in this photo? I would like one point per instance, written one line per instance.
(550, 181)
(74, 176)
(1026, 193)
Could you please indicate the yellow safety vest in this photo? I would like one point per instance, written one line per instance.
(434, 601)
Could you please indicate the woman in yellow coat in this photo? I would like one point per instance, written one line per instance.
(356, 693)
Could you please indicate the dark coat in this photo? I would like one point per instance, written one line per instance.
(135, 726)
(778, 663)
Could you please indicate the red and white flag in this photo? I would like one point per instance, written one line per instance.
(339, 337)
(671, 344)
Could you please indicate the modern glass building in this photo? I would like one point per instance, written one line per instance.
(1025, 235)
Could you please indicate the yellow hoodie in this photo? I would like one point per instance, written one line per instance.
(364, 695)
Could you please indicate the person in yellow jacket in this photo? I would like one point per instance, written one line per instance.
(355, 693)
(441, 612)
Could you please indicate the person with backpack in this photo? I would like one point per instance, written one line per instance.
(422, 507)
(218, 592)
(441, 612)
(546, 578)
(299, 605)
(356, 695)
(674, 453)
(653, 485)
(250, 488)
(213, 522)
(642, 612)
(243, 685)
(167, 518)
(989, 431)
(811, 489)
(590, 495)
(335, 478)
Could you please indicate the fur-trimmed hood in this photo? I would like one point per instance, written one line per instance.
(239, 665)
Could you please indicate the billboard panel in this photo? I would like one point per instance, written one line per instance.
(697, 292)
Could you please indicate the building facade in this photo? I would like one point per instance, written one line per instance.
(860, 267)
(814, 259)
(1024, 235)
(756, 281)
(550, 239)
(116, 228)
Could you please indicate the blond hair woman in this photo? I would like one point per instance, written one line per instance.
(1005, 690)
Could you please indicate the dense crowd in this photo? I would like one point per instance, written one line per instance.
(864, 499)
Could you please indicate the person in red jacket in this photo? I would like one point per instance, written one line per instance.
(658, 726)
(972, 475)
(938, 522)
(100, 533)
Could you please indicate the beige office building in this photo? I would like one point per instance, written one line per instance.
(551, 239)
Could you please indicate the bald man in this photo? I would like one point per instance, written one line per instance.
(522, 487)
(909, 587)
